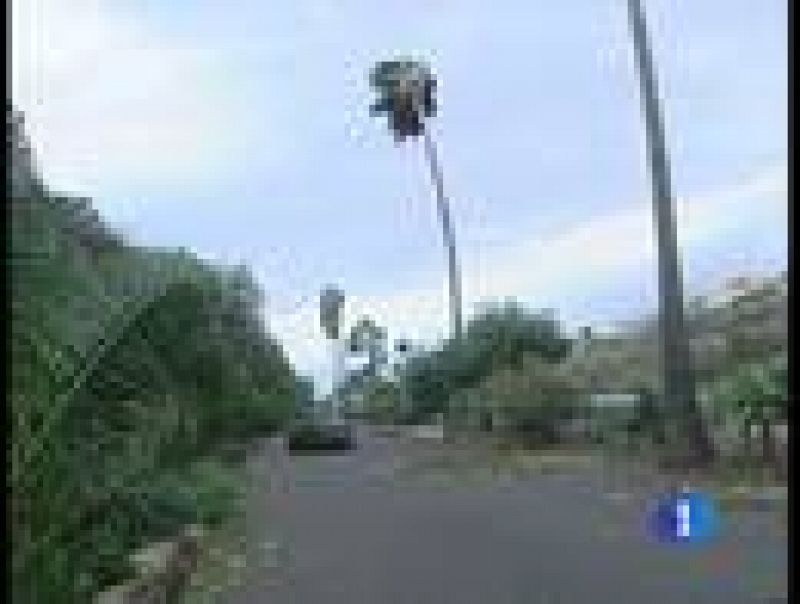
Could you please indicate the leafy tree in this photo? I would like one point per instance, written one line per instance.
(501, 337)
(755, 394)
(366, 337)
(532, 398)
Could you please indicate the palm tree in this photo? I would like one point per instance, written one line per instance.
(678, 373)
(406, 94)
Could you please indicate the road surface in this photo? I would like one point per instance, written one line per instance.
(359, 528)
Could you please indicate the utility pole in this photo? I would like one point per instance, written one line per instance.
(687, 429)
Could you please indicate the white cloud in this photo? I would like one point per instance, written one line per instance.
(601, 249)
(764, 196)
(110, 103)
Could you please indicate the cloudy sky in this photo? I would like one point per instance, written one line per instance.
(240, 130)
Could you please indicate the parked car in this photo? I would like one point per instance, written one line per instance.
(311, 435)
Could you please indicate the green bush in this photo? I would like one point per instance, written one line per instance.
(754, 391)
(753, 394)
(218, 491)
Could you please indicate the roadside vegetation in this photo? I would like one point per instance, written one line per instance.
(135, 376)
(517, 375)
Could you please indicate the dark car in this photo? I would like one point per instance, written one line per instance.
(316, 436)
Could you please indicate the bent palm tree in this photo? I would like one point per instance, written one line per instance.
(406, 94)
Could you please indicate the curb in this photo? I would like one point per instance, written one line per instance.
(758, 498)
(164, 570)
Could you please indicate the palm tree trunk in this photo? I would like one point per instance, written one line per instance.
(679, 384)
(448, 233)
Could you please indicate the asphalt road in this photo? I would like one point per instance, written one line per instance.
(356, 528)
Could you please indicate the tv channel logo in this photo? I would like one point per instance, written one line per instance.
(684, 518)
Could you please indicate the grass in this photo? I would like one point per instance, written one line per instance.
(207, 493)
(220, 564)
(735, 483)
(230, 553)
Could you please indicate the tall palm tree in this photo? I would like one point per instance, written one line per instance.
(679, 392)
(406, 94)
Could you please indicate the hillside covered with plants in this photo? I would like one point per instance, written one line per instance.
(131, 370)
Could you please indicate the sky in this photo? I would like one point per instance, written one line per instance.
(241, 130)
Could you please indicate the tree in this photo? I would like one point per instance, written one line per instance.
(679, 381)
(305, 394)
(756, 322)
(406, 92)
(498, 338)
(533, 398)
(755, 394)
(382, 401)
(366, 337)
